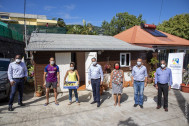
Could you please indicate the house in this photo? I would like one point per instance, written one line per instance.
(31, 19)
(80, 49)
(164, 43)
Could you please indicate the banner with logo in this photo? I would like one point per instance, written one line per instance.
(175, 63)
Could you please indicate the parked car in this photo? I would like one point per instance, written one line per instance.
(4, 82)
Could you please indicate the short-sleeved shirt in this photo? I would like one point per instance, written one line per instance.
(117, 76)
(51, 73)
(139, 73)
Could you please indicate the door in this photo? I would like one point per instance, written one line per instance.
(63, 61)
(88, 57)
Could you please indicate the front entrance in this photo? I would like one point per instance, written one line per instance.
(80, 66)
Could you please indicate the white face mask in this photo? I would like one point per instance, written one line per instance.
(139, 63)
(94, 63)
(52, 62)
(71, 68)
(18, 60)
(162, 65)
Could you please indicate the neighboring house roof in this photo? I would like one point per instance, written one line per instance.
(136, 35)
(75, 42)
(21, 15)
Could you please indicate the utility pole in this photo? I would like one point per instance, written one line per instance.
(25, 36)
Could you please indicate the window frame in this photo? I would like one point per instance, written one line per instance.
(125, 54)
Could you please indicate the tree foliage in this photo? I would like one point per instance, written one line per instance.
(177, 25)
(87, 29)
(121, 22)
(60, 22)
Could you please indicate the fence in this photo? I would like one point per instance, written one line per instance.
(39, 29)
(8, 33)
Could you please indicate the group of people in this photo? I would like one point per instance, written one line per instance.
(17, 74)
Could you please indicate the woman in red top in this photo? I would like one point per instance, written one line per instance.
(117, 80)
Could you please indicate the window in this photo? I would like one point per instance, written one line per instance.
(5, 17)
(125, 59)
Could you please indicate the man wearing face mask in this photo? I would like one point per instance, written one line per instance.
(17, 74)
(139, 80)
(163, 82)
(52, 78)
(95, 77)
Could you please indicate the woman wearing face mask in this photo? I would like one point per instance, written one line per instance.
(72, 76)
(117, 80)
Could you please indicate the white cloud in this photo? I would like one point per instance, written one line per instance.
(70, 7)
(67, 16)
(48, 8)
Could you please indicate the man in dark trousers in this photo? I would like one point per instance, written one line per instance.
(95, 77)
(17, 74)
(163, 82)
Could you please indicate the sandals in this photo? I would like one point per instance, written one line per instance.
(69, 103)
(56, 103)
(46, 104)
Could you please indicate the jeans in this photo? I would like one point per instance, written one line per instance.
(138, 92)
(96, 89)
(163, 88)
(18, 85)
(70, 94)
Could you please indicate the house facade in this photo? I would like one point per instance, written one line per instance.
(162, 42)
(81, 49)
(31, 19)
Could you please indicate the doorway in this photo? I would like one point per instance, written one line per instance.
(80, 66)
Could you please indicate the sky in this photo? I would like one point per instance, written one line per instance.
(96, 11)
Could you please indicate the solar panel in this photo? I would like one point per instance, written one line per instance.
(155, 32)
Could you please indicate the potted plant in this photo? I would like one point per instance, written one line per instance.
(152, 76)
(30, 79)
(153, 62)
(38, 93)
(185, 84)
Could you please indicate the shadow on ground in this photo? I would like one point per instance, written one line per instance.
(184, 106)
(127, 122)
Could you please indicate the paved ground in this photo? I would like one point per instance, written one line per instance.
(35, 114)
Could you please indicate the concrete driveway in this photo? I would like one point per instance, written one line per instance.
(36, 114)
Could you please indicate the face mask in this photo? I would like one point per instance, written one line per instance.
(94, 63)
(71, 68)
(116, 67)
(18, 60)
(139, 63)
(52, 62)
(162, 65)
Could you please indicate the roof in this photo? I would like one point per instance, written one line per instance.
(75, 42)
(21, 15)
(136, 35)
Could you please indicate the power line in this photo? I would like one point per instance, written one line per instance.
(160, 10)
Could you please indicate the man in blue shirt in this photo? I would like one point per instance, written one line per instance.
(17, 74)
(163, 82)
(139, 80)
(95, 77)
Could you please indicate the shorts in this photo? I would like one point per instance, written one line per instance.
(48, 84)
